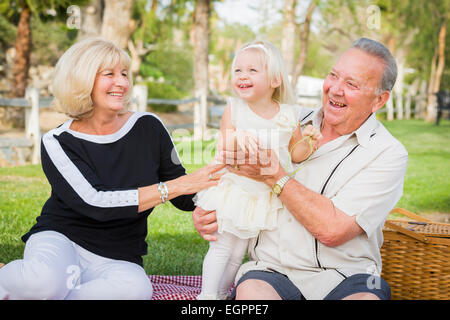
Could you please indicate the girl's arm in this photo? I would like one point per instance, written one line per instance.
(303, 144)
(231, 139)
(227, 137)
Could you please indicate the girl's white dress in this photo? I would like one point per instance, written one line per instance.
(245, 206)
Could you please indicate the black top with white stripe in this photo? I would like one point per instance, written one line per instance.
(94, 181)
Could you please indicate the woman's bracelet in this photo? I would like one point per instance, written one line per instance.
(164, 191)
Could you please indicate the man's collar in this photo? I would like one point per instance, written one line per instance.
(363, 133)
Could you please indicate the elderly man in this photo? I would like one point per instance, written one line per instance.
(328, 239)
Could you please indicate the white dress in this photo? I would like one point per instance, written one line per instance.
(245, 206)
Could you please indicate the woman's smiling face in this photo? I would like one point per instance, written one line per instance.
(110, 87)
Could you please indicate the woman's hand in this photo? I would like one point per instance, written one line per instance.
(265, 167)
(205, 222)
(203, 178)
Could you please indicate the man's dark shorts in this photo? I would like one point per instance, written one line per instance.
(354, 284)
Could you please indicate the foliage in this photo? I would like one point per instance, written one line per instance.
(167, 72)
(7, 36)
(161, 90)
(49, 40)
(420, 22)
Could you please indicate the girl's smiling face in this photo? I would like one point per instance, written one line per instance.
(250, 78)
(109, 89)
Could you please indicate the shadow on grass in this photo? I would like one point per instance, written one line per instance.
(10, 252)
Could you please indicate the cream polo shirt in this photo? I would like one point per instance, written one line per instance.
(362, 173)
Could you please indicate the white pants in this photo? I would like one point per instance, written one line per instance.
(53, 267)
(221, 264)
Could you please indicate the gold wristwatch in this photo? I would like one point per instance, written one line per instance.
(278, 186)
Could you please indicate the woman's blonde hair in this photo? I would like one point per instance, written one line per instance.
(273, 61)
(76, 71)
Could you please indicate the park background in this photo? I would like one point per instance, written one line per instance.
(182, 52)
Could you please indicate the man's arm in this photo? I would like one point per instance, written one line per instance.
(205, 222)
(318, 215)
(362, 204)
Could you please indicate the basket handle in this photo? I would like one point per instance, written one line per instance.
(405, 231)
(410, 215)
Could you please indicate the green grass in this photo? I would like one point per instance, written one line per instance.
(174, 247)
(427, 181)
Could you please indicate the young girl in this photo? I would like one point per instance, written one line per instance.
(261, 117)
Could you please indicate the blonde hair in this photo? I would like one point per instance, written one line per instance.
(273, 61)
(76, 71)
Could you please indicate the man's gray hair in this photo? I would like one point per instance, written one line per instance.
(376, 49)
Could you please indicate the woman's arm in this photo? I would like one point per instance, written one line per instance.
(77, 186)
(149, 196)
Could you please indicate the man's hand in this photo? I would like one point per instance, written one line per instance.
(205, 222)
(265, 167)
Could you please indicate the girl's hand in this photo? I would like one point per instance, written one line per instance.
(247, 142)
(314, 133)
(303, 143)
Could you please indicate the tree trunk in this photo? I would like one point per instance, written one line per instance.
(412, 92)
(421, 101)
(435, 82)
(91, 20)
(21, 65)
(201, 51)
(399, 84)
(288, 39)
(303, 35)
(22, 55)
(117, 24)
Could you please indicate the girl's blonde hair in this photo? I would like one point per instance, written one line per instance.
(273, 61)
(76, 71)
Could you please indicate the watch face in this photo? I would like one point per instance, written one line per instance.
(276, 189)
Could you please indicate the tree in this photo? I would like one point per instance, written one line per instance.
(25, 9)
(295, 62)
(201, 35)
(436, 72)
(428, 20)
(22, 52)
(303, 37)
(288, 39)
(117, 25)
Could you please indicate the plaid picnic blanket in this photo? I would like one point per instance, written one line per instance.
(176, 287)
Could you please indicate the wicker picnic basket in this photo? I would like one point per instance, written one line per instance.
(416, 258)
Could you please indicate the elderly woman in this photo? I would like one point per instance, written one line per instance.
(108, 168)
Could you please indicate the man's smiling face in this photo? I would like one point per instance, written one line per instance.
(349, 91)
